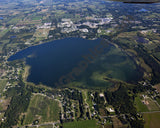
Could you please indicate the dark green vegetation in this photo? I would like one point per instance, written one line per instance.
(81, 124)
(123, 104)
(19, 104)
(69, 97)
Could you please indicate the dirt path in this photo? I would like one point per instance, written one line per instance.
(50, 123)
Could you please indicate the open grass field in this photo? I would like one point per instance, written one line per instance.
(3, 32)
(43, 109)
(2, 85)
(140, 106)
(41, 33)
(152, 120)
(81, 124)
(14, 21)
(36, 18)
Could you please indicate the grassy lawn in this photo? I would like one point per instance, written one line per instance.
(152, 120)
(140, 106)
(3, 32)
(42, 109)
(2, 85)
(14, 21)
(81, 124)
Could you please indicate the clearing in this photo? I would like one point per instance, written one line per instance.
(81, 124)
(42, 109)
(152, 120)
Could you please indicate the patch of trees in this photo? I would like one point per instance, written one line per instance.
(151, 62)
(98, 100)
(140, 88)
(19, 104)
(100, 104)
(76, 95)
(36, 89)
(121, 101)
(123, 104)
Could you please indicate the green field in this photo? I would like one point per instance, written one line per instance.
(2, 85)
(42, 109)
(14, 21)
(81, 124)
(36, 18)
(140, 106)
(3, 32)
(152, 120)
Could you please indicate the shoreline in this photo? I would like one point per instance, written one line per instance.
(25, 75)
(44, 42)
(26, 72)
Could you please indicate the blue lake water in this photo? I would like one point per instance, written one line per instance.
(51, 60)
(54, 59)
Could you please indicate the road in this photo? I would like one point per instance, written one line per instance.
(38, 125)
(150, 112)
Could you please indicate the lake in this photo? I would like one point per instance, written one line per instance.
(50, 61)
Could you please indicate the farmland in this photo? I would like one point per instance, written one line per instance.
(152, 120)
(42, 109)
(81, 124)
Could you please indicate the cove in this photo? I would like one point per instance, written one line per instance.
(50, 61)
